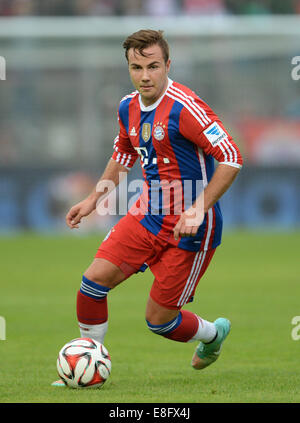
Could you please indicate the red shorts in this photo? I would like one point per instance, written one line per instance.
(177, 272)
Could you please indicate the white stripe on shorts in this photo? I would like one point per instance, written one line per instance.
(193, 277)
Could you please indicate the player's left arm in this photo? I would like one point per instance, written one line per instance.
(191, 219)
(221, 180)
(213, 139)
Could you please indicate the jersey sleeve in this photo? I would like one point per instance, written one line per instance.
(200, 125)
(124, 153)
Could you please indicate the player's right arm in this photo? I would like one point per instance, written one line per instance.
(123, 158)
(112, 173)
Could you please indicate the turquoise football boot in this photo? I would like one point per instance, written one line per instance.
(58, 383)
(207, 354)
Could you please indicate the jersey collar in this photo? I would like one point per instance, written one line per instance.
(154, 105)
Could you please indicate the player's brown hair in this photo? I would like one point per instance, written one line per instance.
(145, 38)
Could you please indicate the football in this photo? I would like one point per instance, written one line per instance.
(83, 363)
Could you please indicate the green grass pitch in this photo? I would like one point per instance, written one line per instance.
(253, 280)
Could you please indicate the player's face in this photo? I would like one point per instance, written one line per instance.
(149, 73)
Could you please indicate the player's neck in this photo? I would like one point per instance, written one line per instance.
(151, 105)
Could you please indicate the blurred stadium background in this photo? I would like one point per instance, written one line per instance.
(66, 73)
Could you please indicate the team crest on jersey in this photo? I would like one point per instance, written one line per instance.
(146, 131)
(159, 132)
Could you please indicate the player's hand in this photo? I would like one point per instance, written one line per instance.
(189, 223)
(77, 212)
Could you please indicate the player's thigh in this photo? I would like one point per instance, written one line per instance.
(177, 275)
(122, 253)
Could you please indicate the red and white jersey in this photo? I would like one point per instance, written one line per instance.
(177, 139)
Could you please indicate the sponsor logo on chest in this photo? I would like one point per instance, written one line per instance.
(133, 132)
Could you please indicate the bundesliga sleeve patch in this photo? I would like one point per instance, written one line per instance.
(215, 134)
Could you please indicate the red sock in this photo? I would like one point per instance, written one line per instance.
(187, 328)
(91, 311)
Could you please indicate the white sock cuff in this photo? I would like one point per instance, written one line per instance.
(206, 331)
(96, 332)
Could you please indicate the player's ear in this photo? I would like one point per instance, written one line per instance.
(168, 63)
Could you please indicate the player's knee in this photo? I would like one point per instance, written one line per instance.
(100, 279)
(104, 273)
(93, 289)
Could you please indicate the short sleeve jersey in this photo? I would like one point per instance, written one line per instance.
(177, 140)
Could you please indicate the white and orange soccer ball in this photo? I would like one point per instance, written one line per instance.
(83, 363)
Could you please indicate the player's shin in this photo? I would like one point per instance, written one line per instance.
(92, 312)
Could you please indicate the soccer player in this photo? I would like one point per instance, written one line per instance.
(174, 227)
